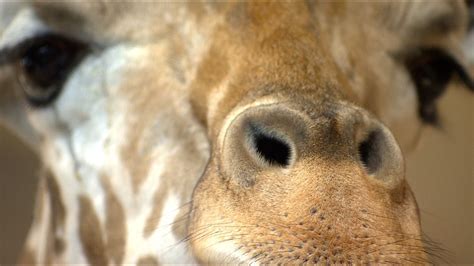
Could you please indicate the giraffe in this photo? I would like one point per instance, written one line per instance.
(226, 132)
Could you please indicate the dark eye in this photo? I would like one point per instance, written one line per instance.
(44, 64)
(431, 69)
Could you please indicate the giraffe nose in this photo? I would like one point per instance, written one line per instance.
(281, 138)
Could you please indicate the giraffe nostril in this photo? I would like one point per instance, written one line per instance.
(380, 156)
(369, 152)
(271, 148)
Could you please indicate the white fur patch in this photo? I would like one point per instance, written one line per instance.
(170, 249)
(225, 253)
(25, 25)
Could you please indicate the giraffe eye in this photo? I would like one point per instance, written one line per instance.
(44, 63)
(431, 69)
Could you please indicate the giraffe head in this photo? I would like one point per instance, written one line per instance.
(238, 132)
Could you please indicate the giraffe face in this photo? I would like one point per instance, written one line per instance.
(113, 125)
(229, 132)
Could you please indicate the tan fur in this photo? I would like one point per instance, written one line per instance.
(58, 213)
(115, 225)
(148, 261)
(90, 232)
(49, 197)
(153, 219)
(321, 75)
(279, 55)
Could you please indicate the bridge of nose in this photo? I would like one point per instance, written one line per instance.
(265, 54)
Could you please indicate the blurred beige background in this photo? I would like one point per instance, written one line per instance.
(441, 172)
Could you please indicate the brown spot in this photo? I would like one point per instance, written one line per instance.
(137, 162)
(175, 179)
(57, 209)
(40, 198)
(59, 245)
(49, 234)
(115, 224)
(148, 261)
(211, 72)
(153, 219)
(48, 197)
(49, 246)
(27, 257)
(156, 109)
(90, 233)
(141, 139)
(180, 223)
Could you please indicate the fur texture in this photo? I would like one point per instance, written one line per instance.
(151, 153)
